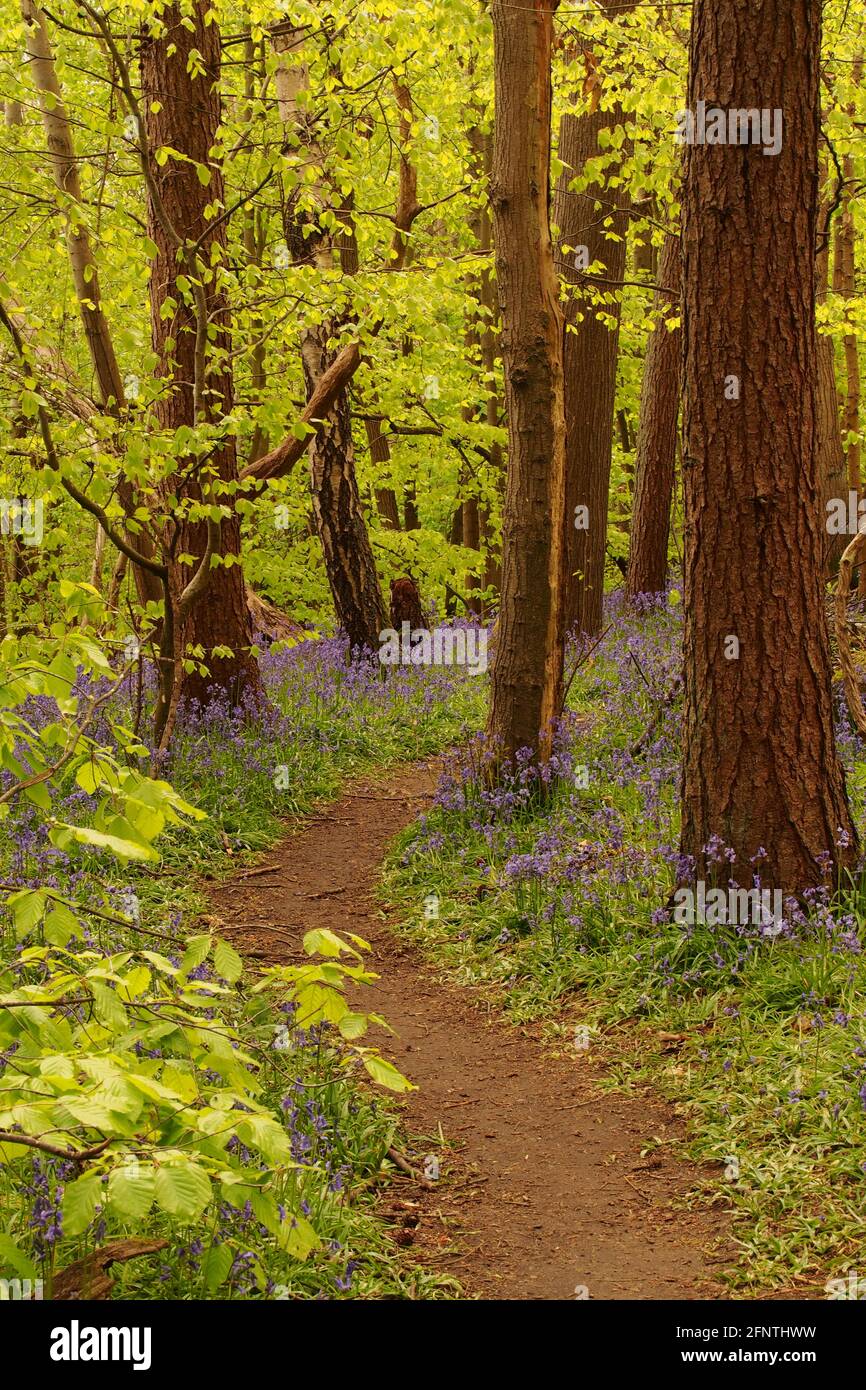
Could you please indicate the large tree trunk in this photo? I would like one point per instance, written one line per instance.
(657, 435)
(339, 516)
(761, 770)
(527, 672)
(183, 112)
(591, 351)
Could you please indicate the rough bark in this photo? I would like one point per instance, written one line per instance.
(183, 112)
(527, 671)
(760, 767)
(591, 351)
(657, 435)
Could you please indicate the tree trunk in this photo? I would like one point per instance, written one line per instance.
(760, 768)
(85, 277)
(844, 283)
(380, 457)
(339, 516)
(340, 522)
(657, 435)
(527, 672)
(183, 112)
(832, 467)
(591, 351)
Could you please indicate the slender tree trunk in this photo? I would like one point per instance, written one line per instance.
(527, 672)
(340, 524)
(646, 253)
(380, 457)
(844, 283)
(411, 519)
(478, 530)
(832, 468)
(657, 435)
(253, 248)
(593, 224)
(760, 768)
(183, 113)
(85, 274)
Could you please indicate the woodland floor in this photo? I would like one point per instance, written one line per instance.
(543, 1187)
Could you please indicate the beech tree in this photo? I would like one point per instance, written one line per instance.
(180, 66)
(337, 509)
(527, 673)
(657, 434)
(760, 767)
(593, 224)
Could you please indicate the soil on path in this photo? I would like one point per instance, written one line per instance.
(544, 1193)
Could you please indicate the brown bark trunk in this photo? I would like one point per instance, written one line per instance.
(657, 436)
(183, 112)
(411, 519)
(760, 768)
(253, 246)
(340, 522)
(380, 457)
(527, 671)
(591, 351)
(832, 469)
(480, 338)
(339, 516)
(844, 283)
(646, 253)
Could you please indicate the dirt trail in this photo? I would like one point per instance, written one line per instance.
(545, 1189)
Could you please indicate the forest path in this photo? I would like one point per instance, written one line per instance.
(544, 1189)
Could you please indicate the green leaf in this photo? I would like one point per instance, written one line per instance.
(79, 1203)
(385, 1073)
(323, 942)
(131, 1190)
(61, 925)
(14, 1258)
(353, 1026)
(197, 949)
(227, 962)
(123, 849)
(182, 1190)
(107, 1006)
(217, 1266)
(27, 907)
(297, 1237)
